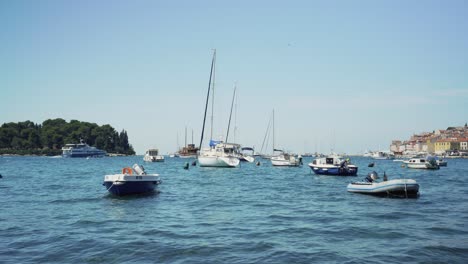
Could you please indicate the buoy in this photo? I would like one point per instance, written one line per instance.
(1, 176)
(186, 166)
(258, 163)
(194, 163)
(371, 164)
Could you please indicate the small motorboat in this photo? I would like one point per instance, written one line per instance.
(131, 181)
(420, 163)
(285, 159)
(152, 155)
(397, 187)
(441, 163)
(333, 165)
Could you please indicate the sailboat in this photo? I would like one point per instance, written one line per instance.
(189, 150)
(282, 158)
(218, 154)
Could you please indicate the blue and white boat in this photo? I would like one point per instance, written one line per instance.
(131, 181)
(81, 150)
(333, 165)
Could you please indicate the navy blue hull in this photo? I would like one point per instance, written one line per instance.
(335, 171)
(130, 187)
(85, 155)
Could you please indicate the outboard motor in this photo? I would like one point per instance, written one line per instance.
(372, 176)
(139, 169)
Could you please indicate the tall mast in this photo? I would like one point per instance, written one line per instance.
(207, 98)
(230, 115)
(185, 136)
(273, 129)
(212, 96)
(192, 135)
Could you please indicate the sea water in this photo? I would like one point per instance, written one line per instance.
(55, 210)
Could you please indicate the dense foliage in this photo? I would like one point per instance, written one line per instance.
(48, 139)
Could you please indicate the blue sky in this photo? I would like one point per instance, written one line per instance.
(347, 75)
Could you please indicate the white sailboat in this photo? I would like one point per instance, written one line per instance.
(218, 154)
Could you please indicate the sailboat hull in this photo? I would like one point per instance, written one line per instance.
(226, 162)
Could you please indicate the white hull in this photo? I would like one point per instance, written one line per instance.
(158, 158)
(281, 161)
(214, 161)
(247, 158)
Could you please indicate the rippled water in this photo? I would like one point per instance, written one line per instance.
(55, 210)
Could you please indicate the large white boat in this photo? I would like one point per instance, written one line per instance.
(152, 155)
(420, 163)
(220, 155)
(81, 150)
(396, 187)
(333, 165)
(245, 155)
(285, 159)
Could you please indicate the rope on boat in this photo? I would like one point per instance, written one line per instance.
(111, 186)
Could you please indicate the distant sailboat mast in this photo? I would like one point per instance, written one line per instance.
(230, 115)
(212, 95)
(273, 130)
(207, 99)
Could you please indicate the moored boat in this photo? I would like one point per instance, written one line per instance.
(219, 155)
(81, 150)
(396, 187)
(131, 181)
(152, 155)
(333, 165)
(285, 159)
(420, 163)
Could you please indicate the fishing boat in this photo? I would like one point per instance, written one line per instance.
(152, 155)
(396, 187)
(131, 181)
(81, 150)
(218, 154)
(333, 165)
(420, 163)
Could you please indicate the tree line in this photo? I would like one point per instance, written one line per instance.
(49, 137)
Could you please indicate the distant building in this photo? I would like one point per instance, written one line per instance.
(442, 146)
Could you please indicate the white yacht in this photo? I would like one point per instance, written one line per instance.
(81, 150)
(220, 155)
(152, 155)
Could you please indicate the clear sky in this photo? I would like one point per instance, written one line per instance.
(347, 75)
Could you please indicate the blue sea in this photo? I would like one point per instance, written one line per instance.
(55, 210)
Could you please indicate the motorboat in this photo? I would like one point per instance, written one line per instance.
(285, 159)
(441, 163)
(152, 155)
(381, 155)
(421, 163)
(81, 150)
(219, 155)
(245, 155)
(395, 187)
(131, 181)
(333, 165)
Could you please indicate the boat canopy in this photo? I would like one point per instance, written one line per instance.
(247, 148)
(215, 142)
